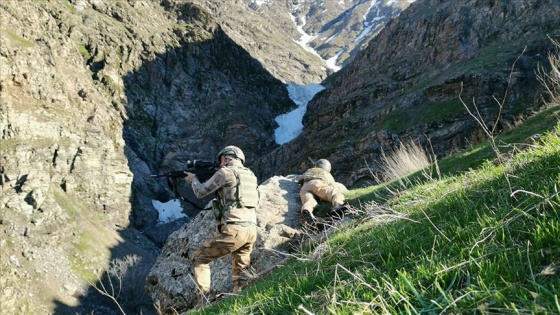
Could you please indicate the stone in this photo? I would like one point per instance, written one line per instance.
(170, 281)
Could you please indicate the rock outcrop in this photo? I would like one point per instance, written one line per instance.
(95, 97)
(273, 32)
(331, 23)
(170, 281)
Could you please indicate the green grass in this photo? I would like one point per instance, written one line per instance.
(472, 158)
(18, 39)
(482, 241)
(400, 119)
(465, 160)
(67, 203)
(84, 247)
(71, 8)
(84, 52)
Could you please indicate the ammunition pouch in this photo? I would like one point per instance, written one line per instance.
(217, 209)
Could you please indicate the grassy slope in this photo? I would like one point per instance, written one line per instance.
(486, 240)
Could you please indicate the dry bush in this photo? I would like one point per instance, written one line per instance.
(123, 282)
(550, 80)
(407, 158)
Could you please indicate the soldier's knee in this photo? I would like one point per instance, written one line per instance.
(202, 256)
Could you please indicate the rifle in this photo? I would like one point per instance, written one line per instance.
(202, 169)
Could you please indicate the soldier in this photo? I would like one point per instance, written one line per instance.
(318, 182)
(234, 209)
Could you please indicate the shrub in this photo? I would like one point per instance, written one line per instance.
(407, 158)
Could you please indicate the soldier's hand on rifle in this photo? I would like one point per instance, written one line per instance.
(190, 177)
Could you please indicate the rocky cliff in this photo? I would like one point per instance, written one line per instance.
(274, 31)
(330, 24)
(406, 85)
(96, 96)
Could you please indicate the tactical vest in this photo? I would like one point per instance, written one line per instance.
(242, 207)
(315, 173)
(247, 192)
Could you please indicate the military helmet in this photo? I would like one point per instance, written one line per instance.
(324, 164)
(233, 151)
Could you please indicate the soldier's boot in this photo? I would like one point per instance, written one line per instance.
(238, 285)
(337, 212)
(307, 217)
(200, 300)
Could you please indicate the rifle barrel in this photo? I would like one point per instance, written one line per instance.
(203, 169)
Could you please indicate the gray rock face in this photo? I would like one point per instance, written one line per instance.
(341, 29)
(170, 281)
(96, 96)
(271, 31)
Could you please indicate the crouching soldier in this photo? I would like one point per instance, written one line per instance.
(236, 192)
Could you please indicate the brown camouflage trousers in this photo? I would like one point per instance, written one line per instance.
(323, 191)
(233, 239)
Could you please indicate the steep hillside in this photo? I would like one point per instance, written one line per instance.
(481, 242)
(406, 85)
(267, 33)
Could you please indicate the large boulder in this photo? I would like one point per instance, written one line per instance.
(170, 282)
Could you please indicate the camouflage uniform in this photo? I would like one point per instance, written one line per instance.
(320, 183)
(236, 232)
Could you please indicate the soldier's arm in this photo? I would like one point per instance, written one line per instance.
(214, 183)
(330, 179)
(301, 178)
